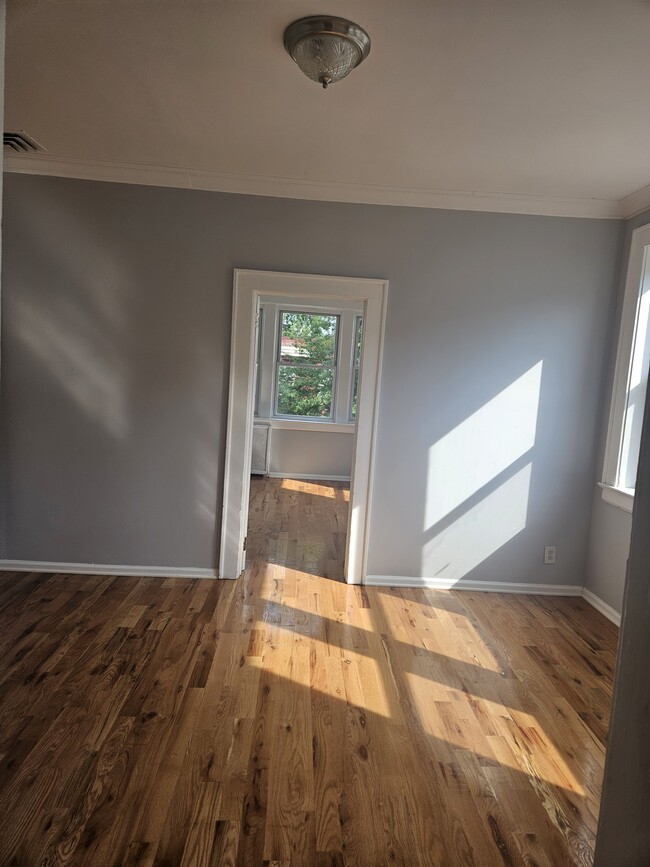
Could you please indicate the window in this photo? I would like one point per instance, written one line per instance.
(356, 362)
(306, 364)
(259, 325)
(308, 372)
(631, 378)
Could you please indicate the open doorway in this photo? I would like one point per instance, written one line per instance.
(317, 393)
(307, 363)
(299, 524)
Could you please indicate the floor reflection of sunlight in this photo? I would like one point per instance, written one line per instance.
(472, 652)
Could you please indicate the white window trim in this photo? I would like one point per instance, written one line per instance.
(619, 497)
(249, 286)
(347, 311)
(612, 492)
(313, 424)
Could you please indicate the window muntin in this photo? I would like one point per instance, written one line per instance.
(356, 363)
(306, 364)
(631, 378)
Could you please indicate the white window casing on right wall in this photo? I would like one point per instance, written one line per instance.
(630, 378)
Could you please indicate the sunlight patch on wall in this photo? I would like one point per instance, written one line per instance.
(482, 446)
(79, 357)
(479, 532)
(206, 432)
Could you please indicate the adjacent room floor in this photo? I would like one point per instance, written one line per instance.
(289, 719)
(300, 524)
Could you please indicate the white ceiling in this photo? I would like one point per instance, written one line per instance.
(543, 101)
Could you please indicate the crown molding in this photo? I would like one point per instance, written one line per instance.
(636, 203)
(295, 188)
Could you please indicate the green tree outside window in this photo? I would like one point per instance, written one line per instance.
(306, 364)
(358, 335)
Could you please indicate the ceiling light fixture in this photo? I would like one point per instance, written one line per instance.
(326, 48)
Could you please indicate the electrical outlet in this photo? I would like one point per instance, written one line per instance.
(549, 555)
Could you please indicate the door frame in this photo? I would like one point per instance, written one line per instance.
(249, 286)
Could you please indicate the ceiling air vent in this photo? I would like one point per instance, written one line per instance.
(21, 142)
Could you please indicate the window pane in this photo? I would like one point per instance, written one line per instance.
(357, 345)
(308, 338)
(258, 356)
(305, 392)
(637, 386)
(355, 388)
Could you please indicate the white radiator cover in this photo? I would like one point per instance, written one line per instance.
(261, 457)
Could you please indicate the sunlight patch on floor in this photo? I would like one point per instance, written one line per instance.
(325, 489)
(453, 716)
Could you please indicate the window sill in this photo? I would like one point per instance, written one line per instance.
(305, 425)
(622, 499)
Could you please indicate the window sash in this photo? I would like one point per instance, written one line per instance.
(278, 414)
(631, 374)
(358, 340)
(259, 346)
(306, 365)
(636, 387)
(357, 344)
(335, 348)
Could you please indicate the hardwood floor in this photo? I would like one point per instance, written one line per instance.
(300, 524)
(288, 719)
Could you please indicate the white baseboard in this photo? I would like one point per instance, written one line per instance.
(315, 476)
(480, 586)
(102, 569)
(605, 609)
(371, 580)
(498, 587)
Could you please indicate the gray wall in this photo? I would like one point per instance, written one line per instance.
(3, 11)
(311, 452)
(609, 537)
(116, 346)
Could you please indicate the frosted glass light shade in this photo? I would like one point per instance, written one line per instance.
(326, 58)
(326, 49)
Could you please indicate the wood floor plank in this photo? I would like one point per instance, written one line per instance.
(289, 719)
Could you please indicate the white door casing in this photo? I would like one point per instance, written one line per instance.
(249, 286)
